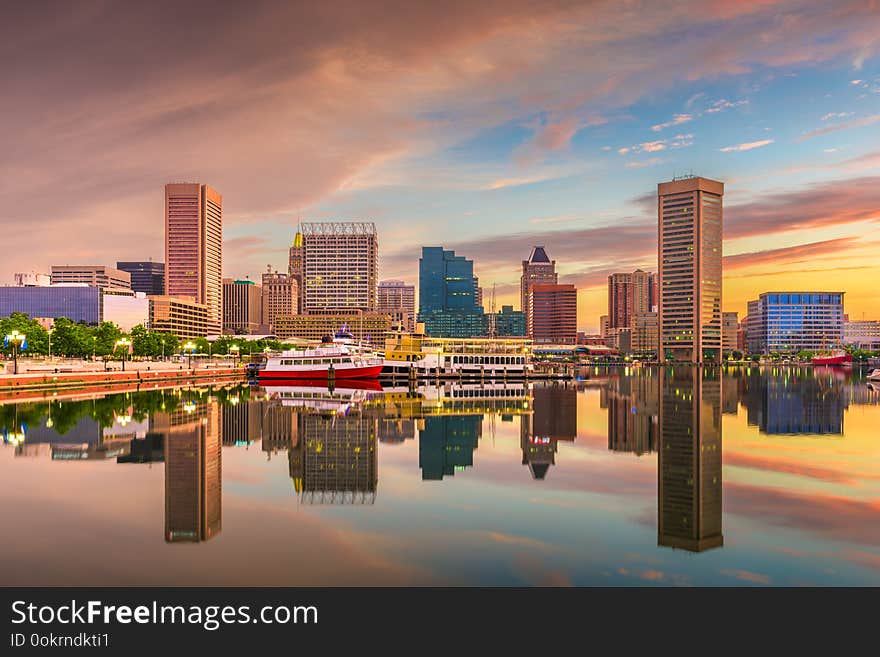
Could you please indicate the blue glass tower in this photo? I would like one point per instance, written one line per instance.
(447, 295)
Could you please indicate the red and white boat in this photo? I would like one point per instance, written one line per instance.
(330, 360)
(838, 357)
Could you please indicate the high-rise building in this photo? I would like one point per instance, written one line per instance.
(788, 322)
(194, 247)
(340, 464)
(447, 303)
(689, 460)
(242, 306)
(509, 323)
(341, 266)
(296, 266)
(369, 328)
(645, 333)
(552, 316)
(280, 294)
(630, 294)
(689, 252)
(729, 328)
(193, 477)
(96, 275)
(604, 325)
(147, 277)
(447, 444)
(398, 300)
(633, 410)
(537, 269)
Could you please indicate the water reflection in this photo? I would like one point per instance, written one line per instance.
(577, 447)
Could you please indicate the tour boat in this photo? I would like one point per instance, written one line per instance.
(874, 376)
(838, 357)
(329, 361)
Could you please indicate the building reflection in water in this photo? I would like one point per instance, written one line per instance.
(795, 401)
(689, 461)
(193, 488)
(553, 418)
(447, 444)
(242, 421)
(633, 409)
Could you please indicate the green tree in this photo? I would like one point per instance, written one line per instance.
(105, 337)
(37, 337)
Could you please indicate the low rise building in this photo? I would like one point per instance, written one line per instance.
(180, 316)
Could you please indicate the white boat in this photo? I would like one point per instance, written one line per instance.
(333, 359)
(874, 376)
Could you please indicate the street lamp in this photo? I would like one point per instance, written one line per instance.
(190, 346)
(16, 339)
(236, 349)
(125, 343)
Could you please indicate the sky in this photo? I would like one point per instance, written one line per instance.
(483, 127)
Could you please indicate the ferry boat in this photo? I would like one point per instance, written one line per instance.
(335, 360)
(838, 357)
(314, 395)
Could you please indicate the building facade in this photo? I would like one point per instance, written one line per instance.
(242, 307)
(864, 334)
(689, 213)
(96, 275)
(789, 322)
(147, 277)
(76, 302)
(509, 323)
(628, 295)
(646, 333)
(280, 294)
(552, 316)
(368, 328)
(398, 300)
(296, 266)
(537, 269)
(180, 316)
(729, 329)
(447, 301)
(341, 266)
(32, 279)
(194, 247)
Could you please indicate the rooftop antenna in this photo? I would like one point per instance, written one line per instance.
(493, 327)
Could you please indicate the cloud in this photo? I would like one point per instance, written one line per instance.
(747, 146)
(641, 164)
(835, 115)
(678, 119)
(747, 576)
(679, 141)
(789, 254)
(846, 125)
(722, 104)
(547, 139)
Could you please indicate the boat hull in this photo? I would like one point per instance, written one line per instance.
(842, 359)
(366, 372)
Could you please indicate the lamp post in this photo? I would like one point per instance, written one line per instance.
(236, 350)
(125, 343)
(16, 339)
(190, 346)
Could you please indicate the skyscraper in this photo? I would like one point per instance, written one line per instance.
(242, 306)
(689, 252)
(537, 269)
(296, 266)
(552, 316)
(447, 303)
(689, 459)
(629, 294)
(789, 322)
(147, 276)
(341, 266)
(194, 247)
(398, 299)
(280, 293)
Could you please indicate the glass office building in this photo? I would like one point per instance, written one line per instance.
(447, 295)
(789, 322)
(146, 276)
(78, 303)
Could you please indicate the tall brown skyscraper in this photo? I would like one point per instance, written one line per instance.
(552, 316)
(194, 247)
(296, 266)
(537, 269)
(689, 254)
(629, 295)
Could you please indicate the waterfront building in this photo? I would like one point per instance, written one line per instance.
(794, 405)
(180, 316)
(369, 328)
(125, 310)
(628, 295)
(76, 302)
(604, 325)
(509, 323)
(95, 275)
(447, 303)
(146, 276)
(742, 335)
(553, 418)
(537, 269)
(296, 266)
(689, 212)
(729, 330)
(864, 333)
(193, 471)
(788, 322)
(242, 307)
(689, 498)
(194, 247)
(398, 300)
(646, 333)
(620, 339)
(552, 313)
(32, 279)
(341, 266)
(280, 294)
(478, 292)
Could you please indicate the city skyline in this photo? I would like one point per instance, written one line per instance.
(457, 129)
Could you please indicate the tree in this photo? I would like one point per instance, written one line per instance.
(37, 336)
(70, 339)
(105, 337)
